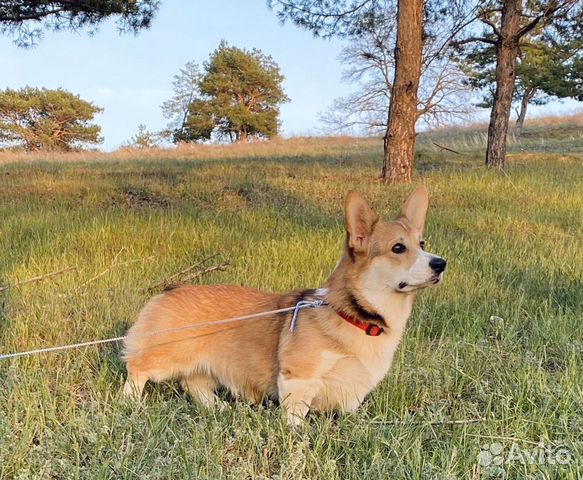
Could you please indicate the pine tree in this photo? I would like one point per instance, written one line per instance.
(143, 138)
(236, 98)
(506, 24)
(547, 66)
(41, 119)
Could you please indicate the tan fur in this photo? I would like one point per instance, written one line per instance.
(325, 363)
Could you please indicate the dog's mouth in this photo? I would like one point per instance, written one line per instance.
(408, 287)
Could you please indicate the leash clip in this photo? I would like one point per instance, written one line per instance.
(303, 304)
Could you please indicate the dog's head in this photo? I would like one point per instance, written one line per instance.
(391, 254)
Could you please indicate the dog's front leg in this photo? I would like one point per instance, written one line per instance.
(296, 395)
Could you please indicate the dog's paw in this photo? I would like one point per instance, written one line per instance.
(294, 420)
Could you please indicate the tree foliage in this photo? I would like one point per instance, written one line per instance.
(324, 18)
(236, 97)
(25, 20)
(41, 119)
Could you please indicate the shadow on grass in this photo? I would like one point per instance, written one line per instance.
(298, 211)
(171, 170)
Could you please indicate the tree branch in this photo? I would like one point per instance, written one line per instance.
(548, 13)
(490, 23)
(38, 277)
(474, 39)
(322, 14)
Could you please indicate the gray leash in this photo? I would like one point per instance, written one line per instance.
(301, 304)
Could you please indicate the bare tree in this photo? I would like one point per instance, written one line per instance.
(370, 65)
(186, 90)
(442, 95)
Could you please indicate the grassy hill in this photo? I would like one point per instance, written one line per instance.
(492, 356)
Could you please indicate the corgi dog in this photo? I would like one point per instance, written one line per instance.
(336, 354)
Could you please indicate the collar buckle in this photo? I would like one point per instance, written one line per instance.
(373, 330)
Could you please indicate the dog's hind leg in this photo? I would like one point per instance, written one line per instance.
(202, 387)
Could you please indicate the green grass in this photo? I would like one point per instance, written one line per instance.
(514, 246)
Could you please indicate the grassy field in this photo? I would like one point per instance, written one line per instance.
(492, 359)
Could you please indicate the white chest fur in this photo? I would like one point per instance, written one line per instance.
(346, 375)
(348, 378)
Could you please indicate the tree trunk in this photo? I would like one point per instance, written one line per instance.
(506, 54)
(526, 98)
(399, 140)
(384, 171)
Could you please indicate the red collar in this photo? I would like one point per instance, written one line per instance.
(369, 328)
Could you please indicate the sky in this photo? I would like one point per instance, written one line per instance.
(130, 76)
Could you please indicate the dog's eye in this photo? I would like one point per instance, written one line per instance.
(399, 248)
(422, 244)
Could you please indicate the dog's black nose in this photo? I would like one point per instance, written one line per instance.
(438, 264)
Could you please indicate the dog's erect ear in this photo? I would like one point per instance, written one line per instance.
(360, 220)
(415, 207)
